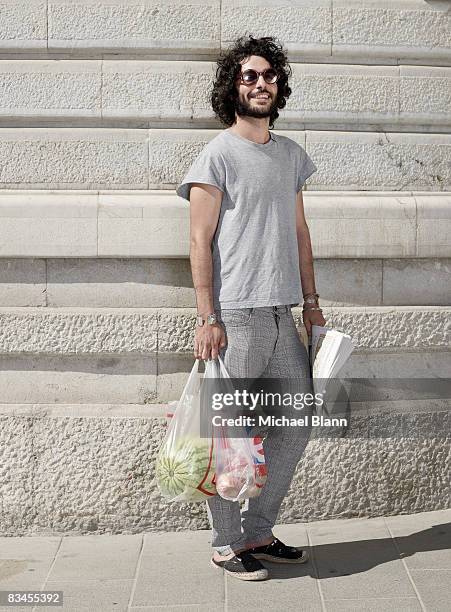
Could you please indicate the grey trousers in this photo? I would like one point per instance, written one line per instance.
(262, 343)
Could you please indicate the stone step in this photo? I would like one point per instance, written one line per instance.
(144, 331)
(129, 224)
(408, 97)
(160, 378)
(144, 355)
(315, 30)
(138, 282)
(142, 159)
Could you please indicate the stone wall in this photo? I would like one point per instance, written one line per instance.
(103, 107)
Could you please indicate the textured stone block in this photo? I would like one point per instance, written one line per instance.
(37, 88)
(385, 327)
(75, 158)
(402, 29)
(388, 490)
(74, 331)
(179, 91)
(120, 469)
(70, 456)
(371, 161)
(304, 26)
(140, 25)
(157, 90)
(345, 160)
(425, 94)
(176, 330)
(343, 94)
(370, 327)
(118, 159)
(23, 24)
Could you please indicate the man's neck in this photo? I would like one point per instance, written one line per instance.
(256, 130)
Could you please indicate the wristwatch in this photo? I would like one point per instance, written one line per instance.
(211, 319)
(311, 299)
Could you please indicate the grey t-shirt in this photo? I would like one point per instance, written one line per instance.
(254, 248)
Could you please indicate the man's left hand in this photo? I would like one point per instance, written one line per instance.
(313, 317)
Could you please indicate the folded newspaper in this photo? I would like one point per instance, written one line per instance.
(329, 351)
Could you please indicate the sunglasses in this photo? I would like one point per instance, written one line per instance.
(249, 77)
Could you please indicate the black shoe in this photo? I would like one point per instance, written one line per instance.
(278, 552)
(243, 566)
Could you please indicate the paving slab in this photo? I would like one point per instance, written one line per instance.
(195, 541)
(289, 588)
(424, 540)
(98, 595)
(86, 558)
(30, 547)
(358, 560)
(176, 574)
(434, 588)
(386, 604)
(25, 562)
(294, 535)
(380, 564)
(179, 608)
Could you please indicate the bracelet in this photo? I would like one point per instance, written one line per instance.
(309, 294)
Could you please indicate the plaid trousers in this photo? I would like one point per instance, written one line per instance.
(262, 342)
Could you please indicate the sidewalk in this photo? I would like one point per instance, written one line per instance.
(400, 563)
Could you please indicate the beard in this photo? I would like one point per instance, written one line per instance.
(245, 108)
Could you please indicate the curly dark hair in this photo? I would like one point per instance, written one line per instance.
(225, 95)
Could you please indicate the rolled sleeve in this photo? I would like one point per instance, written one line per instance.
(306, 169)
(208, 168)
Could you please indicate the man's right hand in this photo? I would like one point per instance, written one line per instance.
(208, 340)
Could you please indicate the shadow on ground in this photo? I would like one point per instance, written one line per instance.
(347, 558)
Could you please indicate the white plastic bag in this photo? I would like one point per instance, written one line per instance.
(185, 466)
(240, 462)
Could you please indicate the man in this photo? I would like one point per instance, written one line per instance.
(250, 253)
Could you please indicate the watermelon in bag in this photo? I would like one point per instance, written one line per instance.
(185, 466)
(186, 469)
